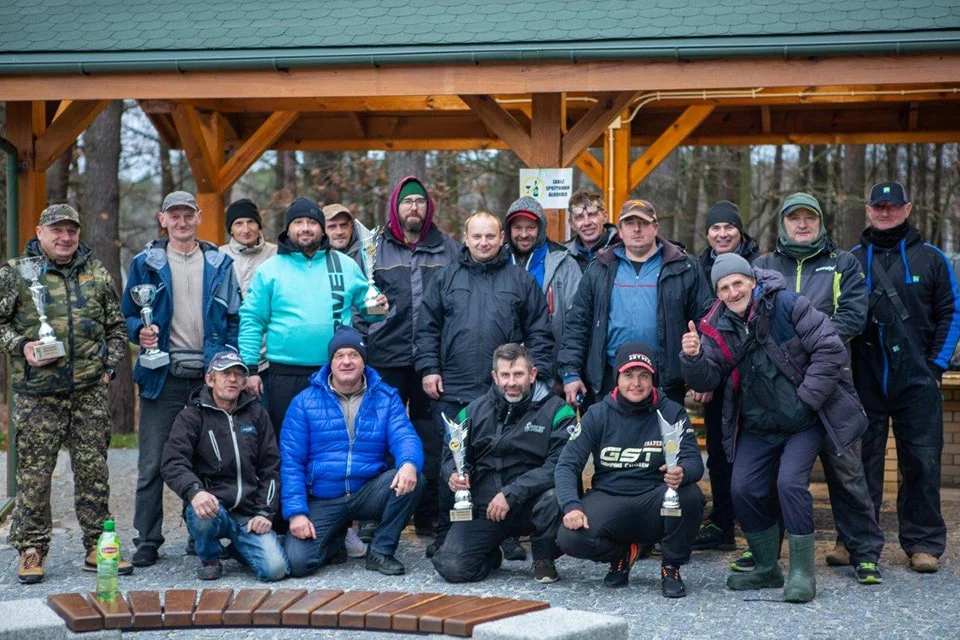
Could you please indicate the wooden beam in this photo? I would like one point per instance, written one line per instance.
(391, 144)
(498, 120)
(254, 146)
(545, 134)
(689, 120)
(214, 136)
(165, 127)
(591, 167)
(616, 165)
(765, 118)
(212, 216)
(912, 116)
(69, 123)
(25, 122)
(586, 131)
(358, 126)
(199, 155)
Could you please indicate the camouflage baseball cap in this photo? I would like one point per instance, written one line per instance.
(179, 199)
(58, 213)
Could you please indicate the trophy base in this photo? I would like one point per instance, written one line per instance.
(154, 360)
(461, 515)
(49, 350)
(670, 512)
(373, 309)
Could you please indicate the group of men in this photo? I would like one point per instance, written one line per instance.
(296, 402)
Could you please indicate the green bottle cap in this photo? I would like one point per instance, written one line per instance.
(108, 525)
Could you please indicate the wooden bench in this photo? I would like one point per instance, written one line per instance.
(324, 608)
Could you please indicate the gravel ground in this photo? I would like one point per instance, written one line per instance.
(906, 605)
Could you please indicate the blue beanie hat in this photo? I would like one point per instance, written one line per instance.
(347, 337)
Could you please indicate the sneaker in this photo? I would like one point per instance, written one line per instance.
(144, 557)
(619, 573)
(432, 549)
(124, 568)
(924, 563)
(713, 537)
(744, 563)
(387, 565)
(191, 548)
(545, 571)
(367, 529)
(494, 559)
(839, 557)
(513, 551)
(32, 564)
(868, 573)
(670, 583)
(212, 570)
(355, 546)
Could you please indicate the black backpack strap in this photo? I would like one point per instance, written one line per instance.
(886, 288)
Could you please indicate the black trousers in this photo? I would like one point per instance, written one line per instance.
(285, 382)
(617, 521)
(464, 556)
(853, 511)
(717, 464)
(410, 387)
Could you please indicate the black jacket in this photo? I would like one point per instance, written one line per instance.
(682, 295)
(233, 456)
(891, 354)
(585, 256)
(749, 250)
(627, 451)
(403, 274)
(470, 309)
(512, 448)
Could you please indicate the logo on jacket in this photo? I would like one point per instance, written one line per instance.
(534, 428)
(248, 430)
(630, 457)
(574, 431)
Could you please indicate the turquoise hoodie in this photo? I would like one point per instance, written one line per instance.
(297, 304)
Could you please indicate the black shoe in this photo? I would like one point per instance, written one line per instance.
(425, 529)
(713, 537)
(619, 573)
(670, 583)
(212, 570)
(432, 549)
(144, 557)
(387, 565)
(494, 559)
(545, 571)
(366, 529)
(191, 548)
(513, 551)
(339, 557)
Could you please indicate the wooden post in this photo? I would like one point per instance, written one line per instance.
(616, 165)
(545, 140)
(26, 121)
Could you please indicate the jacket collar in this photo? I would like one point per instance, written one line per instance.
(156, 254)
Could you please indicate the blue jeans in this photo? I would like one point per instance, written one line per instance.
(262, 551)
(375, 501)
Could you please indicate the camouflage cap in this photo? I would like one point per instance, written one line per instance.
(179, 199)
(58, 213)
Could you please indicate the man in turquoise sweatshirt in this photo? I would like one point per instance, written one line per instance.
(297, 299)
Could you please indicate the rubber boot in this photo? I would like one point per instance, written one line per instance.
(801, 582)
(766, 573)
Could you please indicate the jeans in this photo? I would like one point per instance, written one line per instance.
(375, 501)
(262, 551)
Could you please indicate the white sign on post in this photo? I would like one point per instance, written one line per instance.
(551, 187)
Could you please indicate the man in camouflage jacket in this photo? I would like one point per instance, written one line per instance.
(61, 400)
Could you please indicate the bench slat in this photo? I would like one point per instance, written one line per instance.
(463, 624)
(355, 616)
(298, 614)
(210, 608)
(329, 614)
(146, 609)
(433, 622)
(75, 611)
(240, 611)
(383, 617)
(409, 620)
(178, 607)
(115, 613)
(268, 614)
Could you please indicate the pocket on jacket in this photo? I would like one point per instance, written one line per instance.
(843, 413)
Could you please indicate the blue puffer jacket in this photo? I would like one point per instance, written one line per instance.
(318, 458)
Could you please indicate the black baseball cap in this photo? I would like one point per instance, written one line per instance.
(892, 192)
(634, 354)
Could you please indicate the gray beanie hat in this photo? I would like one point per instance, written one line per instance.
(726, 264)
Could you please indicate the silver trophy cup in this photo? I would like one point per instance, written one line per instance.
(368, 242)
(672, 435)
(463, 502)
(31, 270)
(144, 295)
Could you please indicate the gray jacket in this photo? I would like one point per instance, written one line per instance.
(247, 259)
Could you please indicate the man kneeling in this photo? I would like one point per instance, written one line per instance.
(335, 439)
(222, 459)
(515, 434)
(630, 478)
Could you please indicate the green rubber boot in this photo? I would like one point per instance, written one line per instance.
(801, 582)
(766, 573)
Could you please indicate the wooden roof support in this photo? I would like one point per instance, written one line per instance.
(71, 120)
(499, 121)
(202, 162)
(591, 167)
(689, 120)
(586, 131)
(254, 146)
(546, 137)
(25, 122)
(616, 165)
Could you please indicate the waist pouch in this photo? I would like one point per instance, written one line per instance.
(186, 364)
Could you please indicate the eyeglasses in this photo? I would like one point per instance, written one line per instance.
(414, 202)
(590, 211)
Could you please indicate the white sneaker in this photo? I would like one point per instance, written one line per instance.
(356, 548)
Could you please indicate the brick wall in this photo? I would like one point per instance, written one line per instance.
(951, 433)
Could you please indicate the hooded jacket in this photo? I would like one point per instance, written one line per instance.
(234, 456)
(403, 273)
(470, 309)
(247, 259)
(221, 304)
(627, 450)
(298, 302)
(319, 457)
(793, 368)
(586, 255)
(682, 295)
(894, 354)
(512, 448)
(83, 308)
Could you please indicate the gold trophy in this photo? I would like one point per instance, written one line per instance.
(31, 270)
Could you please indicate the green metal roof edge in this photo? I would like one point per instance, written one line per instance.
(945, 41)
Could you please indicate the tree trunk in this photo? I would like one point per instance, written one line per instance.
(854, 196)
(166, 170)
(745, 188)
(58, 177)
(691, 203)
(891, 162)
(771, 227)
(102, 233)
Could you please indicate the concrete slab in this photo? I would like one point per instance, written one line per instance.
(555, 623)
(30, 619)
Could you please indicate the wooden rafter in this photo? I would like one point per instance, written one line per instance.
(689, 120)
(70, 122)
(499, 120)
(586, 131)
(202, 162)
(254, 146)
(545, 133)
(591, 167)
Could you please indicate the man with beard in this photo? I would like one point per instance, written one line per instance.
(410, 252)
(588, 221)
(515, 434)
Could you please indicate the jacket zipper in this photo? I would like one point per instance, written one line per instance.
(216, 447)
(356, 417)
(886, 364)
(236, 452)
(271, 492)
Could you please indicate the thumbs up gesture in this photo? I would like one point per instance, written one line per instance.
(691, 341)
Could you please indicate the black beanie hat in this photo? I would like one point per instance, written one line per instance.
(243, 208)
(347, 337)
(302, 208)
(725, 211)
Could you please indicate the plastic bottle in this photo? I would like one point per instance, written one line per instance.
(108, 560)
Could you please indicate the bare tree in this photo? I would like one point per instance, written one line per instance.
(58, 177)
